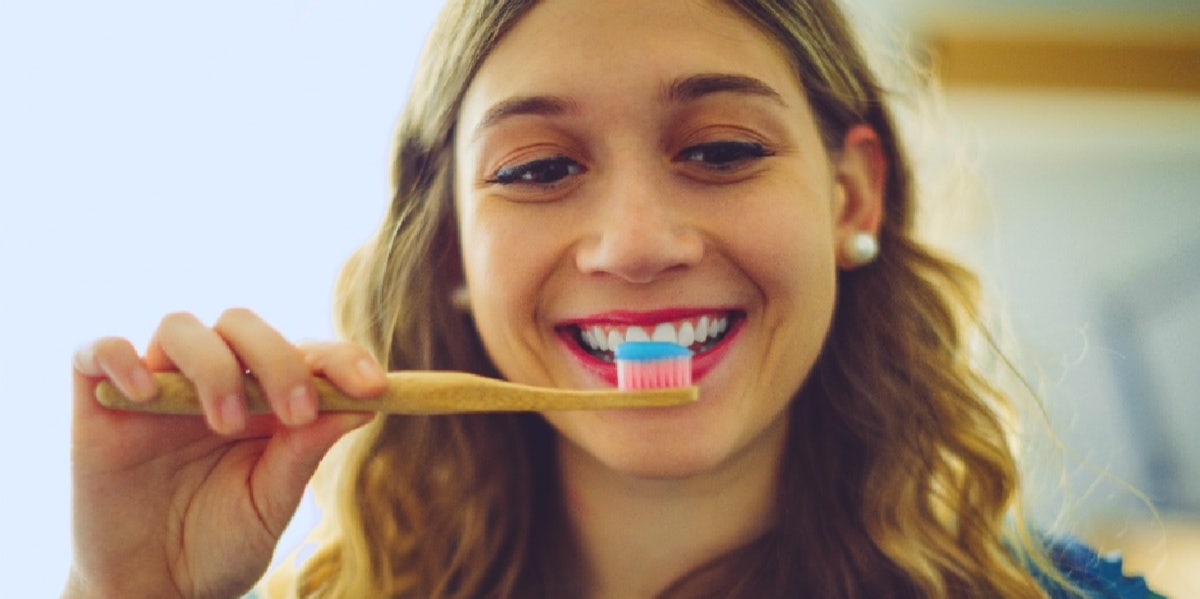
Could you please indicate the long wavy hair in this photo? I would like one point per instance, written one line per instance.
(898, 478)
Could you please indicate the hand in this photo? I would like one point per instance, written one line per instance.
(183, 506)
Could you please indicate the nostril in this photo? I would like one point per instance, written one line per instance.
(640, 252)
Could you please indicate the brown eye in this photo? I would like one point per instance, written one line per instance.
(544, 171)
(724, 155)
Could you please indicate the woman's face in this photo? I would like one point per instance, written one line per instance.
(650, 166)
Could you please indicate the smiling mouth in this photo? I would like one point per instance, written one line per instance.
(699, 334)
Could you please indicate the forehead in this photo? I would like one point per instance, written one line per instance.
(591, 48)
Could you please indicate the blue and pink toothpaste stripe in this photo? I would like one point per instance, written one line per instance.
(652, 365)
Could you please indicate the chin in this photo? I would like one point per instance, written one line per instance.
(722, 434)
(673, 446)
(660, 464)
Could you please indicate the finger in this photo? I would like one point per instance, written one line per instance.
(202, 356)
(289, 461)
(117, 360)
(346, 365)
(276, 363)
(103, 439)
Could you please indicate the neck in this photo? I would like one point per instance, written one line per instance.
(638, 535)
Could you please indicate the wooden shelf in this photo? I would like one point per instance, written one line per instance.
(1109, 55)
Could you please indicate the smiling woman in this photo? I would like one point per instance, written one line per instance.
(578, 174)
(691, 183)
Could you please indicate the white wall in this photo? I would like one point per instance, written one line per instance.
(1093, 202)
(1086, 200)
(160, 156)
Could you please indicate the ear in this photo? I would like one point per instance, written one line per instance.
(860, 175)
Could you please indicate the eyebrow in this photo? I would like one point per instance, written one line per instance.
(695, 87)
(524, 105)
(685, 89)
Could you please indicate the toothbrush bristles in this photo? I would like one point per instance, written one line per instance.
(653, 365)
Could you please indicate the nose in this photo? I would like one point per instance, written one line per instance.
(638, 233)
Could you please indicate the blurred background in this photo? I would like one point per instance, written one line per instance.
(159, 156)
(1081, 122)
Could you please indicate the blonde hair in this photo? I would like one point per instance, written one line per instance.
(898, 478)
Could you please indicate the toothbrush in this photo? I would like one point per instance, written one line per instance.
(412, 392)
(653, 365)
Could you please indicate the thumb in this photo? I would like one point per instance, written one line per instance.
(289, 461)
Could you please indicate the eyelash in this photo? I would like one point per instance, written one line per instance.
(733, 154)
(525, 172)
(718, 156)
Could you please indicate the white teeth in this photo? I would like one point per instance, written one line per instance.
(664, 332)
(636, 334)
(598, 339)
(687, 334)
(614, 339)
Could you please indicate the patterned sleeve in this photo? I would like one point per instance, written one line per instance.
(1099, 577)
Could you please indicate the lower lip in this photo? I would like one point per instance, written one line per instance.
(701, 364)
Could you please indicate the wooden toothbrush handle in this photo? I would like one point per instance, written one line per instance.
(412, 392)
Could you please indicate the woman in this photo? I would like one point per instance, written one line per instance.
(569, 170)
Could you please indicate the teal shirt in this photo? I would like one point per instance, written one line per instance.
(1099, 577)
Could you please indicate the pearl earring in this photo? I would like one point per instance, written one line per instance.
(460, 299)
(861, 248)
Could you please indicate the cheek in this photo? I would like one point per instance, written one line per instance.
(480, 247)
(491, 282)
(502, 252)
(506, 260)
(788, 249)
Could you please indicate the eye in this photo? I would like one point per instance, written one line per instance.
(543, 171)
(724, 155)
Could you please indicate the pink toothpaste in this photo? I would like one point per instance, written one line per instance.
(653, 365)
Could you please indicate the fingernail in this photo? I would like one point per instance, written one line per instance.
(233, 415)
(84, 361)
(303, 405)
(142, 384)
(369, 371)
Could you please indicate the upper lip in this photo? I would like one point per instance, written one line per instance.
(695, 328)
(644, 317)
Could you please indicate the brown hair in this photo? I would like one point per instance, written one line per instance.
(898, 475)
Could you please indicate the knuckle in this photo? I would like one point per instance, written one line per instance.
(109, 346)
(315, 355)
(175, 320)
(343, 356)
(351, 352)
(105, 353)
(219, 377)
(290, 371)
(338, 353)
(234, 316)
